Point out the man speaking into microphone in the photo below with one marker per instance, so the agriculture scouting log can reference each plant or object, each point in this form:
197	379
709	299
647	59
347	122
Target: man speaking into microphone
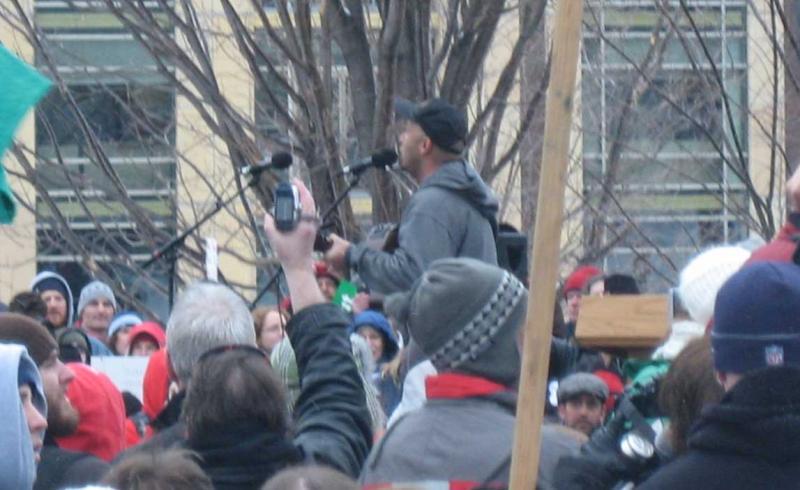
452	213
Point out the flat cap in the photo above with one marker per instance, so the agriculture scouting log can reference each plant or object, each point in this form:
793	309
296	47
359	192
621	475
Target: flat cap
579	384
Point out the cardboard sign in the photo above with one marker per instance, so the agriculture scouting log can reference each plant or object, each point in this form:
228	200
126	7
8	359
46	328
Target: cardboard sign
212	259
127	373
638	321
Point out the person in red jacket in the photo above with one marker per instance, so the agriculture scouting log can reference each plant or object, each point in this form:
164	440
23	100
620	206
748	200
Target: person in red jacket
101	431
146	338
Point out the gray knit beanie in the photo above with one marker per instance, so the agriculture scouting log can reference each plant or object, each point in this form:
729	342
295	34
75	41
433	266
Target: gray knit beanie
94	290
464	314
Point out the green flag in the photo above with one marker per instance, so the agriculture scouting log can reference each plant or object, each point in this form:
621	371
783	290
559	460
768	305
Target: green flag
20	88
344	295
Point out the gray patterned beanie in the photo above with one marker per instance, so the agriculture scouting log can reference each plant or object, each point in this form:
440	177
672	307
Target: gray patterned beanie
464	314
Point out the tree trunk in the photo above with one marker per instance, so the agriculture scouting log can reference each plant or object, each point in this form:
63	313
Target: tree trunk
534	67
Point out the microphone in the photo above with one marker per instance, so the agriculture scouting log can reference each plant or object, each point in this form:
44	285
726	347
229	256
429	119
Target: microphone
381	158
279	161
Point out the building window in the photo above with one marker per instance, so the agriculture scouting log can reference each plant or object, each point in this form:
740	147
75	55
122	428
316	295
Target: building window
129	108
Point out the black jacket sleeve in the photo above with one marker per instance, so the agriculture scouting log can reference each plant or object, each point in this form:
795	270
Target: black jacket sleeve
563	357
60	468
332	421
567	358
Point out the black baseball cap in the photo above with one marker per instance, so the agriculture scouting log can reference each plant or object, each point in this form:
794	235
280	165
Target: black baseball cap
445	125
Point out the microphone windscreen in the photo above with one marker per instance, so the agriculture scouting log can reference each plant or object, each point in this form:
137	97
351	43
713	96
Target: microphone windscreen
281	160
385	157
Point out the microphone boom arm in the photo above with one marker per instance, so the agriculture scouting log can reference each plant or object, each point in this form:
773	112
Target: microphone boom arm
170	248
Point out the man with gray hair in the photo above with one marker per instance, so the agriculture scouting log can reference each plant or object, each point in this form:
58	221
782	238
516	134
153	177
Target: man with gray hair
206	315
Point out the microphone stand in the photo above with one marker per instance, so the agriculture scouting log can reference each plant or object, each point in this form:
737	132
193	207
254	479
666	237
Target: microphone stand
170	249
351	184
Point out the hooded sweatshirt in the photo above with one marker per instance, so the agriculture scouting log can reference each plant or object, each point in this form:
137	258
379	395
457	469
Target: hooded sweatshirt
452	214
388	388
151	330
17	465
377	321
70	301
101	431
751	439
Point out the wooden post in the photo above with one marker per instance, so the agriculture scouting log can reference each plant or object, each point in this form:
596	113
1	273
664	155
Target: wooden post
546	244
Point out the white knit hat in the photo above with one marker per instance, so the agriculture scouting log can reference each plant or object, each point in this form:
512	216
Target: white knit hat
705	274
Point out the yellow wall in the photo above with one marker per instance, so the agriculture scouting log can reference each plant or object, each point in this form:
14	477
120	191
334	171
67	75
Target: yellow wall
761	89
18	240
204	156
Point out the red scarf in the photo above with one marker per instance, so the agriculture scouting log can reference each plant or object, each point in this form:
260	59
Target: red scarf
453	385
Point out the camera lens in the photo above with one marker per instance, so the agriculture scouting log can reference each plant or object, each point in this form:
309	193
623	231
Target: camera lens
635	446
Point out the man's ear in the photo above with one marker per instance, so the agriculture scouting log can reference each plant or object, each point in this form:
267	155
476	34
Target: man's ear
426	146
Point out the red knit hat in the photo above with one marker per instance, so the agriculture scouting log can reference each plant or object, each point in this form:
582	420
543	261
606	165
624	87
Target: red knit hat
615	387
579	277
101	431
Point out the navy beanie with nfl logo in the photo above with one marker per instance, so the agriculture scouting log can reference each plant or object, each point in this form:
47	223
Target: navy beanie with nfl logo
757	318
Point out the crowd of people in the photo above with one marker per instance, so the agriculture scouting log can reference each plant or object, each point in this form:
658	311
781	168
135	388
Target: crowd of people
414	383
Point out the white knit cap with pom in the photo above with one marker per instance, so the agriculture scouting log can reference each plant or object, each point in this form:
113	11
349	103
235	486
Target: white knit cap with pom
705	274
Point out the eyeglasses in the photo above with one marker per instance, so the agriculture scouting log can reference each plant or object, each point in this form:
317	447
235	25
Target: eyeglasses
221	349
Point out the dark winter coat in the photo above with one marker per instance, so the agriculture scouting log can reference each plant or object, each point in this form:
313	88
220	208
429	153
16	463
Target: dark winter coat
750	440
244	457
332	424
60	468
170	431
452	214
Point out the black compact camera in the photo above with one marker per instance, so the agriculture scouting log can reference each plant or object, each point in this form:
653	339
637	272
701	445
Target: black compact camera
287	209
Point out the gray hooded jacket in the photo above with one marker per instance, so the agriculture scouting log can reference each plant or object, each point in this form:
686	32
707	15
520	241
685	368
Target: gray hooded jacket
452	214
17	465
70	301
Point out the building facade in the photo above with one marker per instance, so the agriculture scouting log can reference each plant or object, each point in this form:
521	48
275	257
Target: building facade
678	133
681	129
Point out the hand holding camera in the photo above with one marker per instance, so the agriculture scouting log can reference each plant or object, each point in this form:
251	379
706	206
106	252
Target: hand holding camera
293	228
287	208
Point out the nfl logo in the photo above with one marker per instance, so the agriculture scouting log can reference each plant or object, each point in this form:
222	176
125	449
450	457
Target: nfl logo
774	355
